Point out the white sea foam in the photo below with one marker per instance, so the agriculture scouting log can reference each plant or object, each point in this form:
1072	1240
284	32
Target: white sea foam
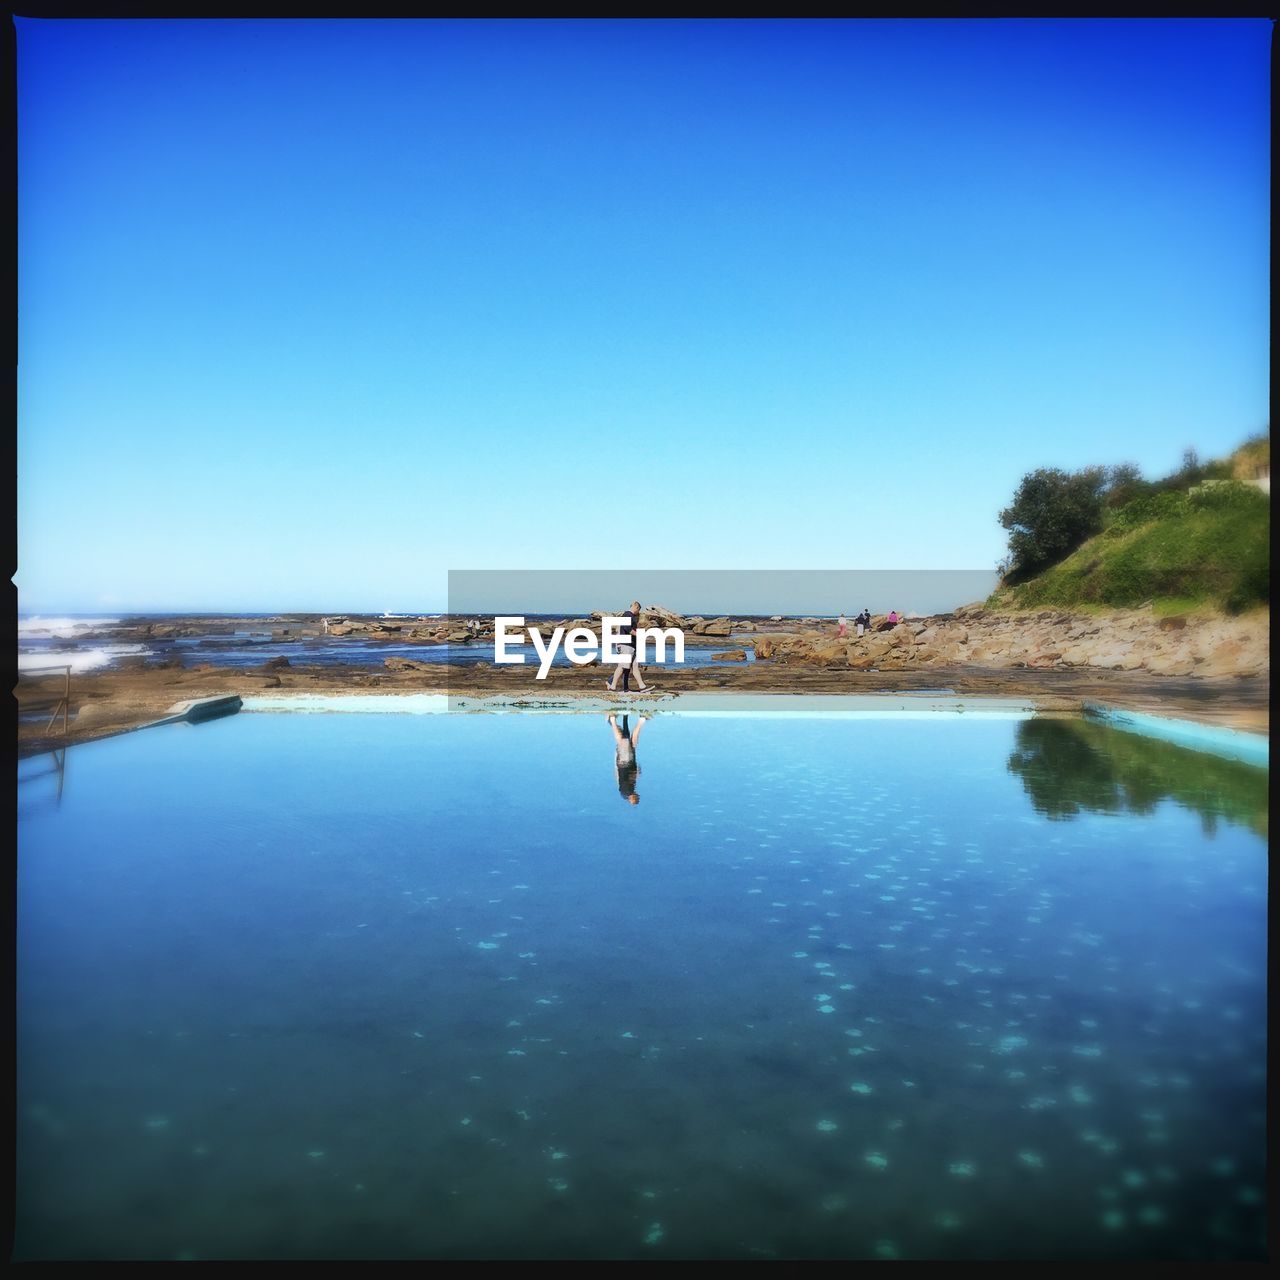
79	659
60	628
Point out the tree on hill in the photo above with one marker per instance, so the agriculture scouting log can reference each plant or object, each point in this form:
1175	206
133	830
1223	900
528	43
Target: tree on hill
1124	483
1052	513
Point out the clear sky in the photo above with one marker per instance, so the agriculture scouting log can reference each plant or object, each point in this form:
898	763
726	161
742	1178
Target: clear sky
312	312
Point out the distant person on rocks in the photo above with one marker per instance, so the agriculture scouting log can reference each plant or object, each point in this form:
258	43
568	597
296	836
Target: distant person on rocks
843	629
624	757
863	620
630	664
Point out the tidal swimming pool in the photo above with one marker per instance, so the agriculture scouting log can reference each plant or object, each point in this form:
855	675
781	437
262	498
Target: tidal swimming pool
390	986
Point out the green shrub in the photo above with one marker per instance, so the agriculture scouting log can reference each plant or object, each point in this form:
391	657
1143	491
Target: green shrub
1228	495
1155	506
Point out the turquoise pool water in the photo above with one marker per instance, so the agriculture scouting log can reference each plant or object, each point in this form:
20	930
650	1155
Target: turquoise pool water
397	986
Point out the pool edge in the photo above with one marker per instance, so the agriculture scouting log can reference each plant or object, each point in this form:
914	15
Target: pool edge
1232	744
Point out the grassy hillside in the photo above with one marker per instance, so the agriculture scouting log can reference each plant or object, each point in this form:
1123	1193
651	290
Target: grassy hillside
1207	545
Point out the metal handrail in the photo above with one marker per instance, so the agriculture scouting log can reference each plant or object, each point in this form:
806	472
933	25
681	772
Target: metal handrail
61	704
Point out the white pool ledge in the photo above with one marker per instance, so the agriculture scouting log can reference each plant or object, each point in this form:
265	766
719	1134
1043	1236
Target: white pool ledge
897	706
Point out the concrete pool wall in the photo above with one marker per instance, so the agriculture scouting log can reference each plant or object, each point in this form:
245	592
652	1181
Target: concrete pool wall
1234	744
791	706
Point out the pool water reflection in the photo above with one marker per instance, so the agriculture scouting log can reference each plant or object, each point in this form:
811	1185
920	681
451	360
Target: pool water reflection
400	986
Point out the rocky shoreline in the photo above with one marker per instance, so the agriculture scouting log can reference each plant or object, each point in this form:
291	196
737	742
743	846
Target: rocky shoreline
1202	645
1188	644
1205	667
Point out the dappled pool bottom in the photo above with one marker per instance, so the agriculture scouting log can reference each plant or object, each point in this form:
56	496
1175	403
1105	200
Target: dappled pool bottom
348	986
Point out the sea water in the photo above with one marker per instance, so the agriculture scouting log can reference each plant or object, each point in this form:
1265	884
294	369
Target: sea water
397	986
53	642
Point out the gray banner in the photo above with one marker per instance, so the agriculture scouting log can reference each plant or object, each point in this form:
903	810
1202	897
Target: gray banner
745	593
543	633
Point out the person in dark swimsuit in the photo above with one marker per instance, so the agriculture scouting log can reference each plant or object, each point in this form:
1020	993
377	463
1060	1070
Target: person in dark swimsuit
624	757
631	654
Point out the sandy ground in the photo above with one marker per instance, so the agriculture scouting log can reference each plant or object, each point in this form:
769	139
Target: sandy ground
103	703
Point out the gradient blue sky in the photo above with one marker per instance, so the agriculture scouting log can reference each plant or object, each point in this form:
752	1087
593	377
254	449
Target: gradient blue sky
313	312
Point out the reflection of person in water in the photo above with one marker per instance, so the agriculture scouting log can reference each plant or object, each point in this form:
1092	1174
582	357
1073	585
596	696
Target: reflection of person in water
624	757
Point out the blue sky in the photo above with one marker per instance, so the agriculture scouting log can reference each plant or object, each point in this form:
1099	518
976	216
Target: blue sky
313	312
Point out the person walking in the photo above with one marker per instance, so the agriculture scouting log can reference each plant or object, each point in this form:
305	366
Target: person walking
843	630
630	664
